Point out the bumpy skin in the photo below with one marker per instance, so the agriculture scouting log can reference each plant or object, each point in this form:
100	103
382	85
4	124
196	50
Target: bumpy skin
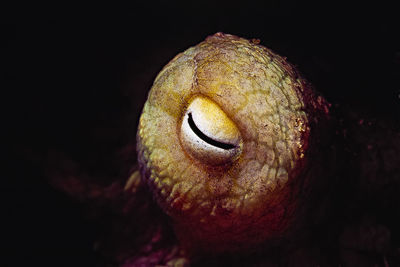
258	197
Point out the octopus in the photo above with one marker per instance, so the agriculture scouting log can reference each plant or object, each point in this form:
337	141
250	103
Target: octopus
241	162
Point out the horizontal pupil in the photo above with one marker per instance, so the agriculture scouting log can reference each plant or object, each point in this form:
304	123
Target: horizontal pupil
205	138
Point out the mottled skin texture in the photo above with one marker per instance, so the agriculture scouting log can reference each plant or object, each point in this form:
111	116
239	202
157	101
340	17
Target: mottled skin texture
276	204
256	197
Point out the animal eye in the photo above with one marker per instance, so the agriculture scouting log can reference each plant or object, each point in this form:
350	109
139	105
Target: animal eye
206	138
208	134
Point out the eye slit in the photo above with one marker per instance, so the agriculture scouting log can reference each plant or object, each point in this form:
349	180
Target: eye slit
205	138
208	134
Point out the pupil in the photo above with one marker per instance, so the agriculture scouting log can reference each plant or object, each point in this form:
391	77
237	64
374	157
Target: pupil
205	138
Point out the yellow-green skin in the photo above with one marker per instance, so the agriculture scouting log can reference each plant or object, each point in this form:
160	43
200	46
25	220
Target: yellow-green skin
256	197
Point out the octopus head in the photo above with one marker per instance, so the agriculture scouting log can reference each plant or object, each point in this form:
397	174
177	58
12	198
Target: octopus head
224	140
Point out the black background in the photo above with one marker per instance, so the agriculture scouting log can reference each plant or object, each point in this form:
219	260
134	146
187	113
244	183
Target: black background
72	72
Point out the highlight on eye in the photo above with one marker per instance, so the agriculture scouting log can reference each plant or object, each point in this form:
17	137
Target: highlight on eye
208	134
